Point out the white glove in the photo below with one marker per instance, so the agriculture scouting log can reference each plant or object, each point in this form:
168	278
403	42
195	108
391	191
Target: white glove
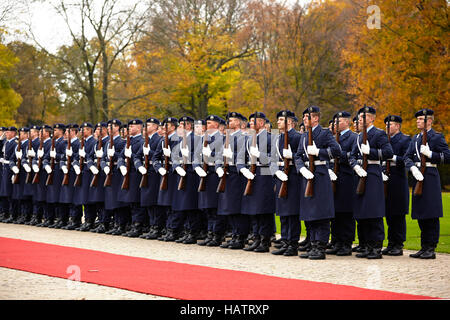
15	169
313	149
220	172
19	154
76	169
180	171
416	173
40	153
99	153
228	153
254	152
26	167
306	173
127	152
281	175
393	159
162	171
146	150
425	150
287	153
111	152
206	151
384	176
166	151
200	172
365	148
48	169
94	170
35	168
52	153
106	170
142	170
184	152
123	170
82	153
333	176
360	171
31	153
247	173
69	152
64	169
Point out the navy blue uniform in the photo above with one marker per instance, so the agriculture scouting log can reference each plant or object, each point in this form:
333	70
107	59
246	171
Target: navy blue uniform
6	184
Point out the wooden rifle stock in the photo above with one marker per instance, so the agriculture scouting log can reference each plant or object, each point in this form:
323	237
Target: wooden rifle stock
423	161
29	177
361	188
309	190
49	181
388	163
36	178
126	178
165	178
202	184
336	160
79	178
283	192
108	179
144	179
249	186
65	181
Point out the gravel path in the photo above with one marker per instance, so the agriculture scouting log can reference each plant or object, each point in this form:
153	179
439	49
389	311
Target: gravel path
397	274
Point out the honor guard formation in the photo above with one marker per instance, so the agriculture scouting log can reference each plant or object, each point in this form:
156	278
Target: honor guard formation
217	182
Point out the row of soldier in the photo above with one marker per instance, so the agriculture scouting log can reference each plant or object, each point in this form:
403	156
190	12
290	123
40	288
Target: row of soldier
172	182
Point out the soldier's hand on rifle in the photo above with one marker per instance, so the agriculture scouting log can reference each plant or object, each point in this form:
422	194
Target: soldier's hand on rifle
142	170
287	153
254	152
360	171
52	153
393	159
76	169
416	173
220	172
184	152
15	169
162	171
94	170
111	152
64	169
48	169
166	151
26	167
425	150
180	171
333	176
99	153
128	152
365	148
146	150
82	153
106	170
35	168
40	153
313	149
123	170
384	176
306	173
69	152
247	173
201	173
228	153
206	151
31	153
281	175
19	154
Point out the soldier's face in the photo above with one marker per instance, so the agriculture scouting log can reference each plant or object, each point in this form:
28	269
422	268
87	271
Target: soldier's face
10	134
234	123
23	135
420	122
212	125
280	123
134	129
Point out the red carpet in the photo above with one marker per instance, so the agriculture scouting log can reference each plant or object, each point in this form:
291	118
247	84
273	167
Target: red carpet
171	279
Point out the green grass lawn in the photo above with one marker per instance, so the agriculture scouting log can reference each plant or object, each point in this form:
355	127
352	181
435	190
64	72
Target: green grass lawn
412	229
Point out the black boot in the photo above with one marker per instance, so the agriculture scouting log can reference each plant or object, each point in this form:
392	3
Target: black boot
155	233
292	249
304	245
363	251
255	244
110	230
136	230
171	235
264	245
345	250
396	250
216	241
208	238
335	248
227	243
191	238
121	229
183	236
239	243
282	249
375	250
428	252
88	225
389	247
317	251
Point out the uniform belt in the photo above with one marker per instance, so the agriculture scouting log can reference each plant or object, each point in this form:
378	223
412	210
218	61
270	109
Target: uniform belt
392	164
373	162
427	164
259	164
281	163
5	161
317	163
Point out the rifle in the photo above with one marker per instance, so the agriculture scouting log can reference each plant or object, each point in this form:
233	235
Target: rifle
79	178
283	192
164	178
223	180
249	187
65	181
144	179
126	178
108	179
388	163
94	181
16	178
336	160
182	182
49	181
202	185
361	188
30	159
423	161
309	190
36	178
